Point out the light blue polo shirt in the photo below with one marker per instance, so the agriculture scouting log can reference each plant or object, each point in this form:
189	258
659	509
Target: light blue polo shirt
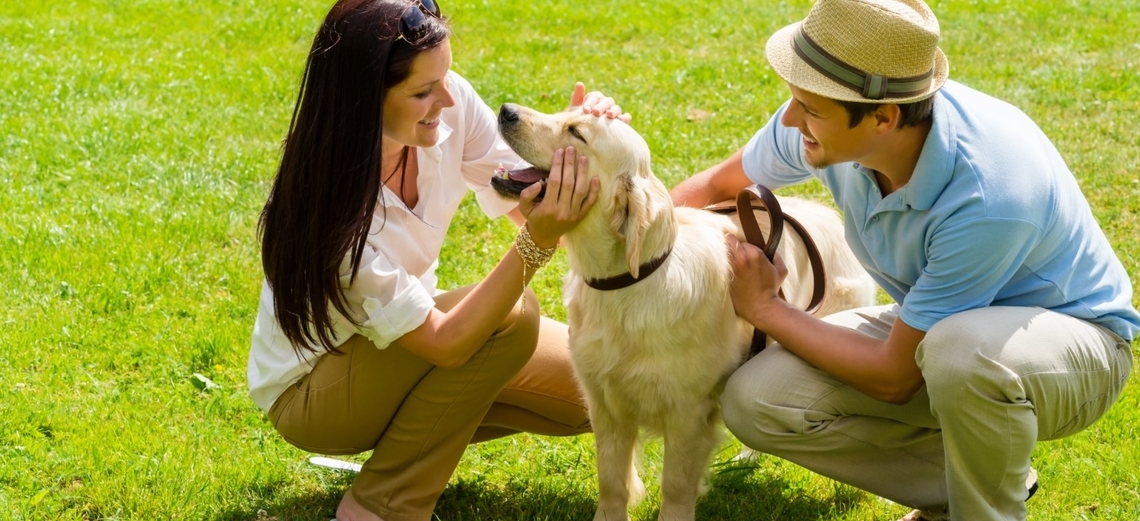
991	217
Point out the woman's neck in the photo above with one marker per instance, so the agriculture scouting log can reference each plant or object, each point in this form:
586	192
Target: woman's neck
390	158
399	172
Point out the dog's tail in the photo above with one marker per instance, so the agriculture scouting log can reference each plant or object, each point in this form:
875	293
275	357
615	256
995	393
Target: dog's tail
636	486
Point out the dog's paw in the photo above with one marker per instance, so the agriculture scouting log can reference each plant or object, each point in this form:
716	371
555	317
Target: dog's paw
607	515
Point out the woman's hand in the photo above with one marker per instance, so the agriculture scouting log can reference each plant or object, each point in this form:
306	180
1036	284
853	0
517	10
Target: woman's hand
570	193
596	103
755	282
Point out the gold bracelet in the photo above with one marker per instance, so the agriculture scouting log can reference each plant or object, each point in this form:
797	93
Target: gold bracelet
533	256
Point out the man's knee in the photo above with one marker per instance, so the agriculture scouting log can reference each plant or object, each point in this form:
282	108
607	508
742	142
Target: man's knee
960	349
941	356
756	404
741	408
735	401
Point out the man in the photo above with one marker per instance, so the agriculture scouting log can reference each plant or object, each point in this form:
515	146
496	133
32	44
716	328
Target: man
1013	319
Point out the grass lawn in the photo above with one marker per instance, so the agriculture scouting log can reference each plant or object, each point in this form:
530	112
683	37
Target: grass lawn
137	141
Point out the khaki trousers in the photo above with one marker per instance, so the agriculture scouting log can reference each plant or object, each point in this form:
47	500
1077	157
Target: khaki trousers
417	418
998	380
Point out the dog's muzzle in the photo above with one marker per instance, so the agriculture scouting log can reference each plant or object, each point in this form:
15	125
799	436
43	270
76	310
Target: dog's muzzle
508	115
510	183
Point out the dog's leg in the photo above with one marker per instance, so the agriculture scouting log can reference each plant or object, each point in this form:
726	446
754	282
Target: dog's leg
689	443
616	439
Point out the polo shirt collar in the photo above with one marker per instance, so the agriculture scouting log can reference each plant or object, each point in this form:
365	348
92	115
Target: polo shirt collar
935	165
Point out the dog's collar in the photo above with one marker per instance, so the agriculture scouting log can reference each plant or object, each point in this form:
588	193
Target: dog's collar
626	280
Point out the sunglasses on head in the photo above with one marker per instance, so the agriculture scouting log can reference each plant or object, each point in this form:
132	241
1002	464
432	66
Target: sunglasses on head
412	22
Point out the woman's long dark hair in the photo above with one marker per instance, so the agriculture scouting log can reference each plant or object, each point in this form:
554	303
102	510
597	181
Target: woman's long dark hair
327	186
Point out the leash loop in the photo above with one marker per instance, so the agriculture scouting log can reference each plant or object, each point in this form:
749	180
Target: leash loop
754	235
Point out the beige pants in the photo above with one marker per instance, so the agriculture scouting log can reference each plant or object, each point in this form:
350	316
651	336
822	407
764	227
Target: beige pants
998	380
417	419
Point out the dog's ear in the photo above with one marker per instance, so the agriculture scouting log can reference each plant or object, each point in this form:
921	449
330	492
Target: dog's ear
631	217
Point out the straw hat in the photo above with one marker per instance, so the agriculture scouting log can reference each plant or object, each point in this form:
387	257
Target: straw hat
876	51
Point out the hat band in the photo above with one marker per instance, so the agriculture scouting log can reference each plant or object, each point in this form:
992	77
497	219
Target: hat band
872	86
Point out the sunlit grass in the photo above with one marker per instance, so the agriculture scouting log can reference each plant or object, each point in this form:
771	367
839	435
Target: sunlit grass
136	143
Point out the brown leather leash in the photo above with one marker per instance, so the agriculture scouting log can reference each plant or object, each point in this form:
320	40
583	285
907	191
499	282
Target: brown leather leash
752	233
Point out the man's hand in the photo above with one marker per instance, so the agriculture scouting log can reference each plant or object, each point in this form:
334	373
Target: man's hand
756	282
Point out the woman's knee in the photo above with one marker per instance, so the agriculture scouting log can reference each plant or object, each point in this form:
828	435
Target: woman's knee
523	317
517	336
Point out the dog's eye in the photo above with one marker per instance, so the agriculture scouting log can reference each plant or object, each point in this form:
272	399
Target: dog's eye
573	130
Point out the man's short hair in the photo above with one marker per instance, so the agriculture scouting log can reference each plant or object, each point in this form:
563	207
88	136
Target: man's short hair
911	114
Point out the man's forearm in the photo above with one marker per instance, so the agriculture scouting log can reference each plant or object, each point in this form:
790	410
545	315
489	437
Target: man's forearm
882	369
718	183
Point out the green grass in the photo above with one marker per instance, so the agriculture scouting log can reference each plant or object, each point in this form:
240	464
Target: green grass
137	140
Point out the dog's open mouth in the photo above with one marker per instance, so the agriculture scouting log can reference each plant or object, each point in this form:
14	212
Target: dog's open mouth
510	183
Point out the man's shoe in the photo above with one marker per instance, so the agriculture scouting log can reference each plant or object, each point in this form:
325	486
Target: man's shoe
927	515
943	514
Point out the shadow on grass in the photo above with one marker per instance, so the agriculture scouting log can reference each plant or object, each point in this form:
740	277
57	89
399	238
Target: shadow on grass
548	499
465	500
278	501
740	492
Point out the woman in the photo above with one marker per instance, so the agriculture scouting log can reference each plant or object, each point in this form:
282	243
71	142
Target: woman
354	349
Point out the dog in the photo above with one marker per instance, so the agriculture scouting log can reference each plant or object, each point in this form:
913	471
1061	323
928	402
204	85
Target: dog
653	356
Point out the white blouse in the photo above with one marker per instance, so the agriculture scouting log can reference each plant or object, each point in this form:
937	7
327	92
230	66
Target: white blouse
394	286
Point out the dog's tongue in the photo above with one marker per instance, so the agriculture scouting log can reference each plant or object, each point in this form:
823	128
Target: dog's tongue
528	175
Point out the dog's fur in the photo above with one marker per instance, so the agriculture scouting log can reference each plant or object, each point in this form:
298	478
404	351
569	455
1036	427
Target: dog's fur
654	356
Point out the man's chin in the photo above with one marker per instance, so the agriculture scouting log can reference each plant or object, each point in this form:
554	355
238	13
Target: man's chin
818	162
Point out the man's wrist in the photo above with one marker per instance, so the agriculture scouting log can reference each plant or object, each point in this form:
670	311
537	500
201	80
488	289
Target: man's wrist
763	314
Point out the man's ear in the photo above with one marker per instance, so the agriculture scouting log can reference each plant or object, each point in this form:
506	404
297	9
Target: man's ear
887	117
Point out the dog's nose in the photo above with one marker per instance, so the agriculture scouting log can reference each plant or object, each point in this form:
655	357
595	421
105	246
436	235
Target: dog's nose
508	114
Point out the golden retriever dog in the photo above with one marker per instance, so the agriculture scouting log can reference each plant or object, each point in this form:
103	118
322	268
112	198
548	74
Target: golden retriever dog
653	357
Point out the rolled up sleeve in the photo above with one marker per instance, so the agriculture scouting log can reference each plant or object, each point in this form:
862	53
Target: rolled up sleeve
386	300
